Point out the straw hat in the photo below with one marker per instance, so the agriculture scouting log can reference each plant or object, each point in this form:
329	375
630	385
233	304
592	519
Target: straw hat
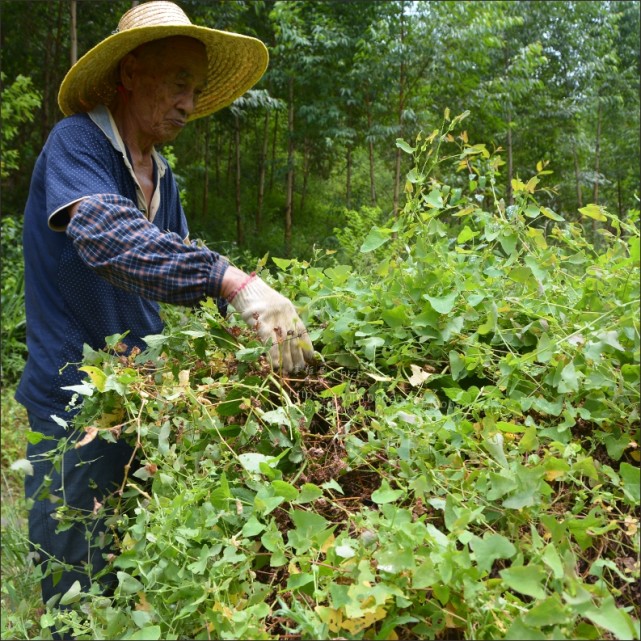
236	62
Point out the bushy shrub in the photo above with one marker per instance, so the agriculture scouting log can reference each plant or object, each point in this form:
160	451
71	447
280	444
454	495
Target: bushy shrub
356	225
12	299
19	103
462	461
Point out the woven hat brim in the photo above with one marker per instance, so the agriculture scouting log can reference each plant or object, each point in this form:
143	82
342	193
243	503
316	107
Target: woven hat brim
236	63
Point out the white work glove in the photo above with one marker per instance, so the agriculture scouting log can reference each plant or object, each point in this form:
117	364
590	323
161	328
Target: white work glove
273	316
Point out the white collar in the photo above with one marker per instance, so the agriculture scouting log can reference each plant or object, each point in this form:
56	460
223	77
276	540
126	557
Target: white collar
103	119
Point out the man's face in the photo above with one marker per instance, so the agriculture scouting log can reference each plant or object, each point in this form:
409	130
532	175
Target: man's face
165	77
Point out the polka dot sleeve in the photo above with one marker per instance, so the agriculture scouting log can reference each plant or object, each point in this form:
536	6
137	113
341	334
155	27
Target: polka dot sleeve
79	163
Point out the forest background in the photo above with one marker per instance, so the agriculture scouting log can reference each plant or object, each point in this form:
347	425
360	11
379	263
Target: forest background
313	144
449	192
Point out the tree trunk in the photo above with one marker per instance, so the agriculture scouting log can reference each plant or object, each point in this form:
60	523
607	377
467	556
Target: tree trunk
205	207
306	172
509	195
401	109
74	33
597	152
577	178
290	171
372	183
230	161
217	156
52	48
273	160
44	129
348	179
240	235
262	168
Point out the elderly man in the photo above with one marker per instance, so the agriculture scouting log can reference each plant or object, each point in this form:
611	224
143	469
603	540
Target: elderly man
105	237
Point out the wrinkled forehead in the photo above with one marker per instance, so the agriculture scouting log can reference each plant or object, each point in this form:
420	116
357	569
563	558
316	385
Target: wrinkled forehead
174	47
177	55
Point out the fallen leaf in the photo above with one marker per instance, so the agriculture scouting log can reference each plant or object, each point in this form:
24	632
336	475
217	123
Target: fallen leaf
418	377
90	435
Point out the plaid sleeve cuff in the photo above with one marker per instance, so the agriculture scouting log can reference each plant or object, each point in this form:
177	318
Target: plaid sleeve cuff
218	270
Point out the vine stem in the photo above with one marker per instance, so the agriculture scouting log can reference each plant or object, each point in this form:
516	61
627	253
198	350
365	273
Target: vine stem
137	446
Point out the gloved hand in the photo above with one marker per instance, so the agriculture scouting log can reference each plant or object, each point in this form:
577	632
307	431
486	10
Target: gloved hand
273	316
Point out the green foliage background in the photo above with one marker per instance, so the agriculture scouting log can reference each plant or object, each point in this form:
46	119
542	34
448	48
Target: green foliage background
463	459
552	82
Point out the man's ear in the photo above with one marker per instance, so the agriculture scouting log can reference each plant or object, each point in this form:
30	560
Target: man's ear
128	66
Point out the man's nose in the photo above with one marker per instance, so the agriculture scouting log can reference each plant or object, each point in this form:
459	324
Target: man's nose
187	103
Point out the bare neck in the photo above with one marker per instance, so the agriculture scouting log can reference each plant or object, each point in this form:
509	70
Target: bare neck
139	144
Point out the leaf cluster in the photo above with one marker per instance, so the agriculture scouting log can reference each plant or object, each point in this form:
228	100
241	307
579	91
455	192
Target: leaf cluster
20	100
463	459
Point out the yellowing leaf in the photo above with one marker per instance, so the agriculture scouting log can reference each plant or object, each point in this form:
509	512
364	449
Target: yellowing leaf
632	526
552	475
329	541
531	184
143	604
331	617
593	211
537	236
110	419
292	568
223	609
518	185
97	376
282	263
452	620
475	150
465	211
362	623
183	378
433	135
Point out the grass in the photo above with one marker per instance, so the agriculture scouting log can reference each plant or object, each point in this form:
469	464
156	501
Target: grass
21	603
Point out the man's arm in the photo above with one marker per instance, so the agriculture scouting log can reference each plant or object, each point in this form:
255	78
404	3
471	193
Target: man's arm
113	237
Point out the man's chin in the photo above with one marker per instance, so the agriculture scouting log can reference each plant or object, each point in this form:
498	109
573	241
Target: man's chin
167	135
